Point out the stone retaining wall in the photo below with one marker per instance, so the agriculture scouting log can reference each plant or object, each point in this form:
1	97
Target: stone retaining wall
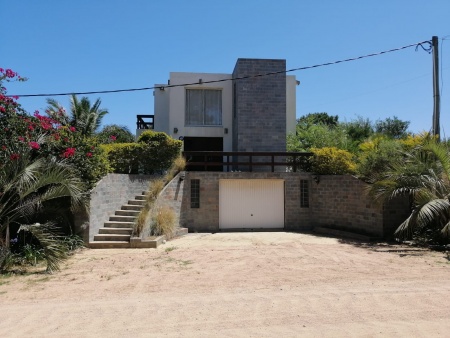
113	191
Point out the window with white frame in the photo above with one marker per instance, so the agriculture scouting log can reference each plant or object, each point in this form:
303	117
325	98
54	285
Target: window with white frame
203	107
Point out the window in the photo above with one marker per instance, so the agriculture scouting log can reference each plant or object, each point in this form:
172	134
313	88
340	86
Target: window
195	193
304	194
203	107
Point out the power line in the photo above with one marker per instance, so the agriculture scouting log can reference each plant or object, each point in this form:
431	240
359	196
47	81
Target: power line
417	45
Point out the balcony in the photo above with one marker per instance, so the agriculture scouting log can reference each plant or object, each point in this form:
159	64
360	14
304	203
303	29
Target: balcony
245	161
145	121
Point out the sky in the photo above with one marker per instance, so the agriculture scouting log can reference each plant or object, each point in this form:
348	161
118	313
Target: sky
64	46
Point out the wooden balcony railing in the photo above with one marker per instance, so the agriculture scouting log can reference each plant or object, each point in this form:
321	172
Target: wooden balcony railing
145	124
243	161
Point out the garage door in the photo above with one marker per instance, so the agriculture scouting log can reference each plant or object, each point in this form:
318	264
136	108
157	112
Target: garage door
251	204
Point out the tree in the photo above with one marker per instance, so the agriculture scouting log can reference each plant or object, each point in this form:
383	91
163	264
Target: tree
318	136
394	127
84	117
359	129
115	133
423	174
317	118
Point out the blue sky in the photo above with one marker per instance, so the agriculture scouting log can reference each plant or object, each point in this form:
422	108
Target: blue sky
93	45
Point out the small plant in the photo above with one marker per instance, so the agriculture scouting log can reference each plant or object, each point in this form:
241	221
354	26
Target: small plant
73	242
164	222
32	254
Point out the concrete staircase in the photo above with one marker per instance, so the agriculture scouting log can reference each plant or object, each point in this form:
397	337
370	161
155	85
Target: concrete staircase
116	232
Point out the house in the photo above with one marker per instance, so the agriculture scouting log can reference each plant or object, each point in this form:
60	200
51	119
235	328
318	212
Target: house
241	111
249	113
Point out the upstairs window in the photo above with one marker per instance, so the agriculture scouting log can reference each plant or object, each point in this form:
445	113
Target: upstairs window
203	107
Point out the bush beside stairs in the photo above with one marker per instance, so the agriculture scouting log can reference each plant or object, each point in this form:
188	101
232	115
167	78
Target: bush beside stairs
116	232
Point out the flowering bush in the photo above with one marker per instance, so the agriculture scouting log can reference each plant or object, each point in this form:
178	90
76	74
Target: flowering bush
48	136
332	161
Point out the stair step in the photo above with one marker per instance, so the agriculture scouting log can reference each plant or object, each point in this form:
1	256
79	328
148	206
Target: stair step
120	218
134	213
140	197
109	245
136	202
132	207
118	224
110	237
115	231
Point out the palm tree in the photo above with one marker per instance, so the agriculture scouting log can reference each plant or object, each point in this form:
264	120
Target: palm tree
27	184
423	174
84	117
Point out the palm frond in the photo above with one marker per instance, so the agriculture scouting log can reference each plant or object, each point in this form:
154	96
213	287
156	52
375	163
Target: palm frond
435	211
55	251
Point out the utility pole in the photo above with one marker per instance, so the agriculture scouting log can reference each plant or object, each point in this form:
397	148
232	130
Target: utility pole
436	96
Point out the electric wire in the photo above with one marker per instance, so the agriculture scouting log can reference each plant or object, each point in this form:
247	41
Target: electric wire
417	45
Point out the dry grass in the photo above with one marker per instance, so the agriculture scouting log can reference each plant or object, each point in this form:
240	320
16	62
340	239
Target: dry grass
178	165
164	222
154	190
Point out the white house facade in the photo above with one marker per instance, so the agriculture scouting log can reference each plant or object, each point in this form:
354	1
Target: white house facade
217	112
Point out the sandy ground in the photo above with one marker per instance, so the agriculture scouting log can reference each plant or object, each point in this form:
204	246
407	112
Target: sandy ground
235	285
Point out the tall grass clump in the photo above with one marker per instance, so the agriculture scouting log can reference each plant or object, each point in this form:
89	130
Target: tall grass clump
164	222
155	188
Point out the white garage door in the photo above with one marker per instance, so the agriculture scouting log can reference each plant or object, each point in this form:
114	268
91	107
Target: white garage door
251	204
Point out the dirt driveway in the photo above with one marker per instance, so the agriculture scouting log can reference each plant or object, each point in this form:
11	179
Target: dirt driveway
235	285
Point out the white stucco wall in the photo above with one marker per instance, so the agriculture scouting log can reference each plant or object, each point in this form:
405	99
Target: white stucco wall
161	108
173	100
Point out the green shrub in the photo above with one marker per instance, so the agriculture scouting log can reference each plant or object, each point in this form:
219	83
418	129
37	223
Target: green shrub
155	152
375	157
124	158
151	136
332	161
162	150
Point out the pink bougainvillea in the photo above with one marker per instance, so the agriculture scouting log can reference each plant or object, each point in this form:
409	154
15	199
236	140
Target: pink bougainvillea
113	138
34	145
89	154
14	157
69	152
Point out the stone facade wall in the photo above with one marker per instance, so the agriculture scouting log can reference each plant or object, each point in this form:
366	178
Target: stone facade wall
206	218
337	202
259	106
113	191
